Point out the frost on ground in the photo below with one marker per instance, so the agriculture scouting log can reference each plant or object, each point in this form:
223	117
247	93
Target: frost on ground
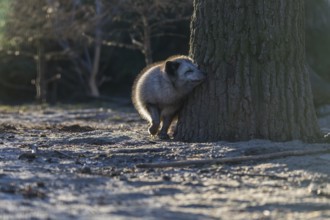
83	167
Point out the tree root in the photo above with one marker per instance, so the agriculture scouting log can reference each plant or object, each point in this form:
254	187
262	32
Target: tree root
235	160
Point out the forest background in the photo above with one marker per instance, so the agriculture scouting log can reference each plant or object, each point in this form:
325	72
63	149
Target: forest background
68	51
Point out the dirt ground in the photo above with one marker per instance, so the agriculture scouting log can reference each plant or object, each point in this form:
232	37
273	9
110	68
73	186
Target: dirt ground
79	162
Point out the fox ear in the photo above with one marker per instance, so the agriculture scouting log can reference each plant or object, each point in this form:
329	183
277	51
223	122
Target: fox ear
171	67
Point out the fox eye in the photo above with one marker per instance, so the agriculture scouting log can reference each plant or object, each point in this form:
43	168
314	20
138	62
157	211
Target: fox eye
189	71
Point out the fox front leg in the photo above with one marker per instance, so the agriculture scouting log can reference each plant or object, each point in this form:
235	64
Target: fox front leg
166	123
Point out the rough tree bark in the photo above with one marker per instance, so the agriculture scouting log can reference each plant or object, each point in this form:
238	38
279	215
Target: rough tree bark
257	86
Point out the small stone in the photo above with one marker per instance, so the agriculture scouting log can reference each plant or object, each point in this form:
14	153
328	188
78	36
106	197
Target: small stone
41	184
166	178
123	178
27	156
86	170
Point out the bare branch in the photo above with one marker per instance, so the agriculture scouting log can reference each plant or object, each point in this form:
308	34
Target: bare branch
19	53
168	21
6	84
168	34
122	45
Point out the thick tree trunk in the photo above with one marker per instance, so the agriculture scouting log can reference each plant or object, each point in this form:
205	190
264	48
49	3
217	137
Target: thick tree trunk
258	86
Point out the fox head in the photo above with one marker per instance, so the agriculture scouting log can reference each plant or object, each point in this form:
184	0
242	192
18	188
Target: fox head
184	73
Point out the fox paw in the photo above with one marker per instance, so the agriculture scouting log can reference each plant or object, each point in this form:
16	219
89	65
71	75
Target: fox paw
163	136
153	129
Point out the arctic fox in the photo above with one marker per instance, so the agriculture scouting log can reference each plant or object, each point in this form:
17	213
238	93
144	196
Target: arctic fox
160	88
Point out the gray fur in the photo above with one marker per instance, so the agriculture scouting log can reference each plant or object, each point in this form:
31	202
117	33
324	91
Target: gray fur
159	91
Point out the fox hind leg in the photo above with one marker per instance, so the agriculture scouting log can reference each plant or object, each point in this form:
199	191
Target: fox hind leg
155	119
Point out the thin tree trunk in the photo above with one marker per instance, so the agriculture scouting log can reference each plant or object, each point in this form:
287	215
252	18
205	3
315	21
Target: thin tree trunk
258	86
93	84
40	83
146	41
